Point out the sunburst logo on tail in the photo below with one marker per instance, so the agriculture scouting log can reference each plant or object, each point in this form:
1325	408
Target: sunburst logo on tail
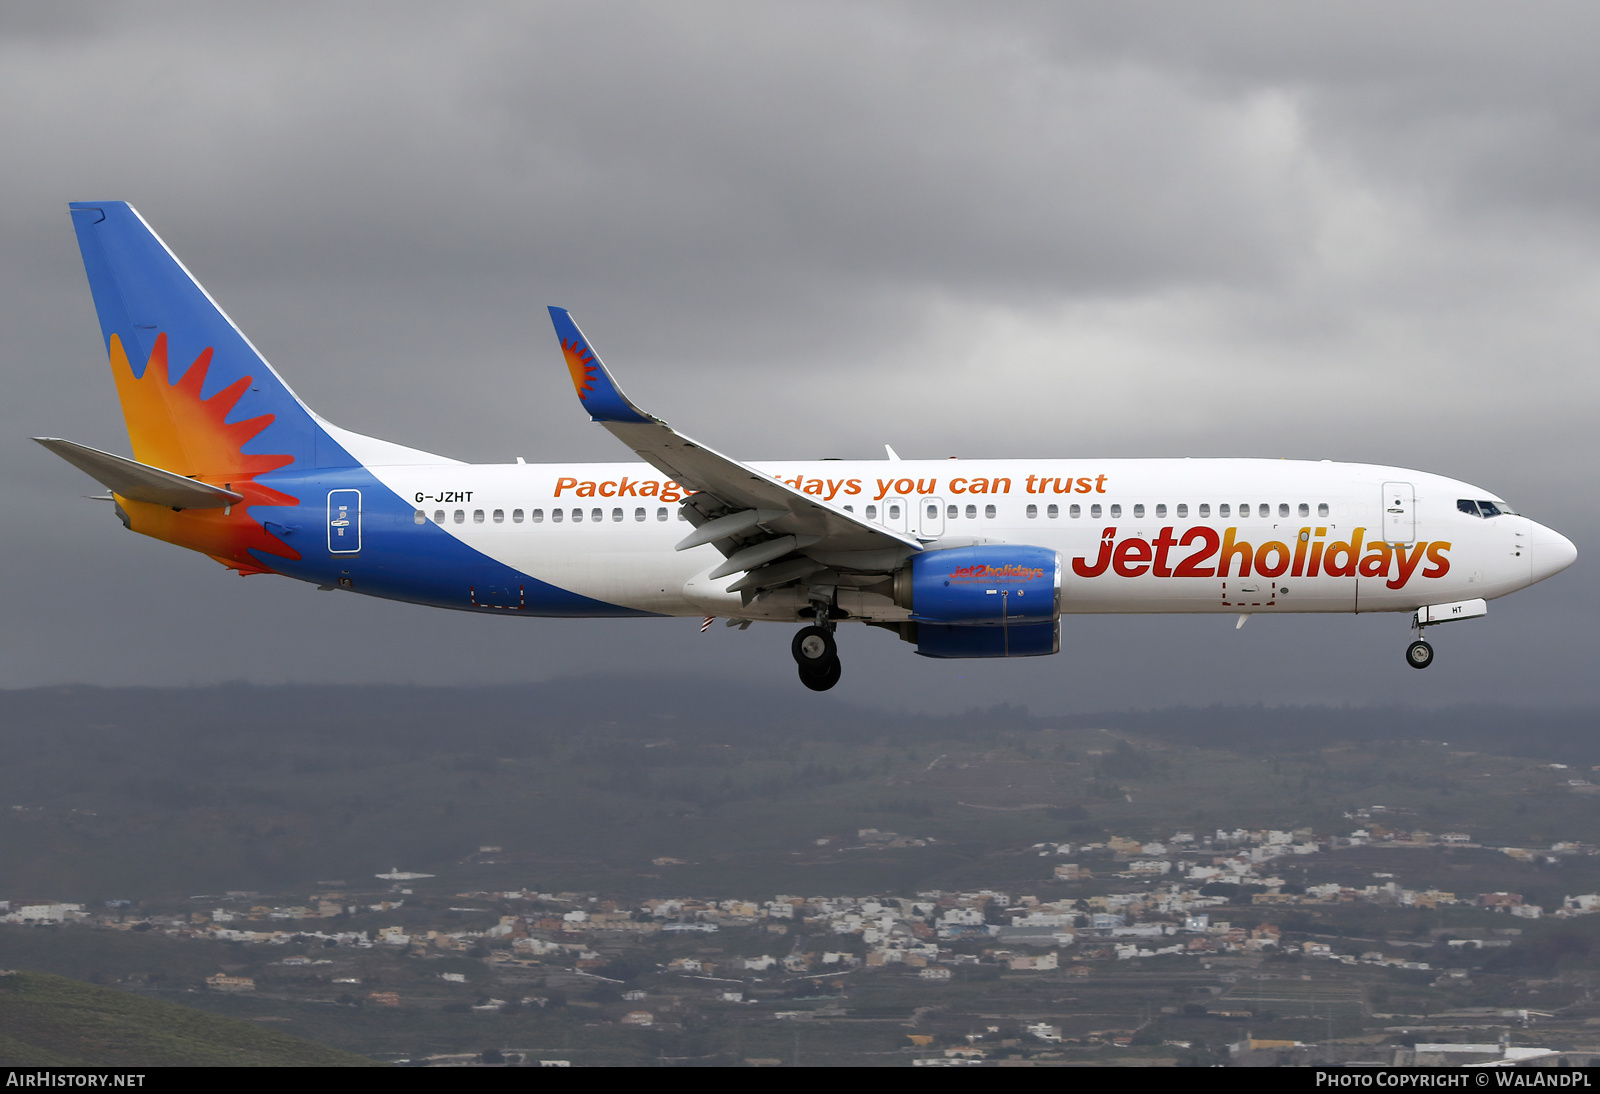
173	427
582	365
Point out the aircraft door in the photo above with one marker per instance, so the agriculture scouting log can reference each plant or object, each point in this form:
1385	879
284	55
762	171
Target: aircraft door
930	517
1399	510
344	522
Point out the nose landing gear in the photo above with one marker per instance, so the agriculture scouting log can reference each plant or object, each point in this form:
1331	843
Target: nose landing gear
1419	655
817	655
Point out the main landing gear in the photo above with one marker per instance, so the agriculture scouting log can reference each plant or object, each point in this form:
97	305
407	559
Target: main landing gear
817	655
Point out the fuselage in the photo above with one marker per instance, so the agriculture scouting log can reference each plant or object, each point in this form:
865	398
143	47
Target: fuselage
1144	535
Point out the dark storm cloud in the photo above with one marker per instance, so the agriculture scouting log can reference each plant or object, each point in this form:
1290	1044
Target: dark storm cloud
1361	232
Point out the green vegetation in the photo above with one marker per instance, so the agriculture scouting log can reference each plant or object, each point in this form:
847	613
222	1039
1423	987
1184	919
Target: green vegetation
52	1021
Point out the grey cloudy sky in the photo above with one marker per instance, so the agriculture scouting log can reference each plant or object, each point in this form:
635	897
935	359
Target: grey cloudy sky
1361	231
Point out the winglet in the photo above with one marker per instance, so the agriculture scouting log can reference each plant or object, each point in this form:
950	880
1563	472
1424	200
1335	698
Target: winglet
598	392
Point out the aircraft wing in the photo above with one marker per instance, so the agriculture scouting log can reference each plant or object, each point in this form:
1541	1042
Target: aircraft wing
771	531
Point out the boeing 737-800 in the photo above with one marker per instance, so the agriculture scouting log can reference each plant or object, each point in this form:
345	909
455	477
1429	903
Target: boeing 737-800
963	558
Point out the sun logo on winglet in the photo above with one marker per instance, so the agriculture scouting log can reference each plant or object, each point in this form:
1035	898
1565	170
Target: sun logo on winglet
582	365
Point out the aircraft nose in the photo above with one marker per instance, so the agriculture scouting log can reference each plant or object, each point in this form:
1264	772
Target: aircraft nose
1552	552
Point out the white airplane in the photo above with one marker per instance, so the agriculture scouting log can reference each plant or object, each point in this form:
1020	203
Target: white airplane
963	558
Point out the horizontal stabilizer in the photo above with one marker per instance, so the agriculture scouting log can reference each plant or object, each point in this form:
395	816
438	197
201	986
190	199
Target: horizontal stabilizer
140	481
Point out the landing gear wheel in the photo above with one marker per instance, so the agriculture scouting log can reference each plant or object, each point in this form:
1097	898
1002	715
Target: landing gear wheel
821	677
1419	655
813	647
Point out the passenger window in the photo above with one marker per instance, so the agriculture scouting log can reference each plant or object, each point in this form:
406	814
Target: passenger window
1205	509
438	516
616	514
1266	510
1183	510
1094	511
499	516
988	511
419	517
461	516
555	515
1053	511
1074	511
849	508
951	512
577	515
661	514
1033	512
1138	510
894	512
872	512
537	516
1223	510
1322	508
1305	510
1161	511
516	516
682	517
933	512
638	515
597	515
1116	511
477	516
972	512
1283	509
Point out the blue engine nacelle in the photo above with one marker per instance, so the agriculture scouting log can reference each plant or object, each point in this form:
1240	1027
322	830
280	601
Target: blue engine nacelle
987	601
1025	640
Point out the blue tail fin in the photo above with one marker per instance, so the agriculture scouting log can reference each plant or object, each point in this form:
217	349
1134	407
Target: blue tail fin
198	398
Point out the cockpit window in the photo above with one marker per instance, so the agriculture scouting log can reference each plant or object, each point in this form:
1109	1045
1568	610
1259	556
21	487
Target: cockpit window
1490	509
1483	508
1468	506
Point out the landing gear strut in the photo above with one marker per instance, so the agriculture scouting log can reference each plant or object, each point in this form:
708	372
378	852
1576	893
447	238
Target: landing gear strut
817	655
1419	655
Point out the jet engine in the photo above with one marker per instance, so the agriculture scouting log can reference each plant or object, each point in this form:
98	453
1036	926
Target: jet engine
1000	600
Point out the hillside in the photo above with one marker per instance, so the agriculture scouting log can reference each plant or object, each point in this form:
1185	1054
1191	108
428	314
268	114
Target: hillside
50	1021
155	794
